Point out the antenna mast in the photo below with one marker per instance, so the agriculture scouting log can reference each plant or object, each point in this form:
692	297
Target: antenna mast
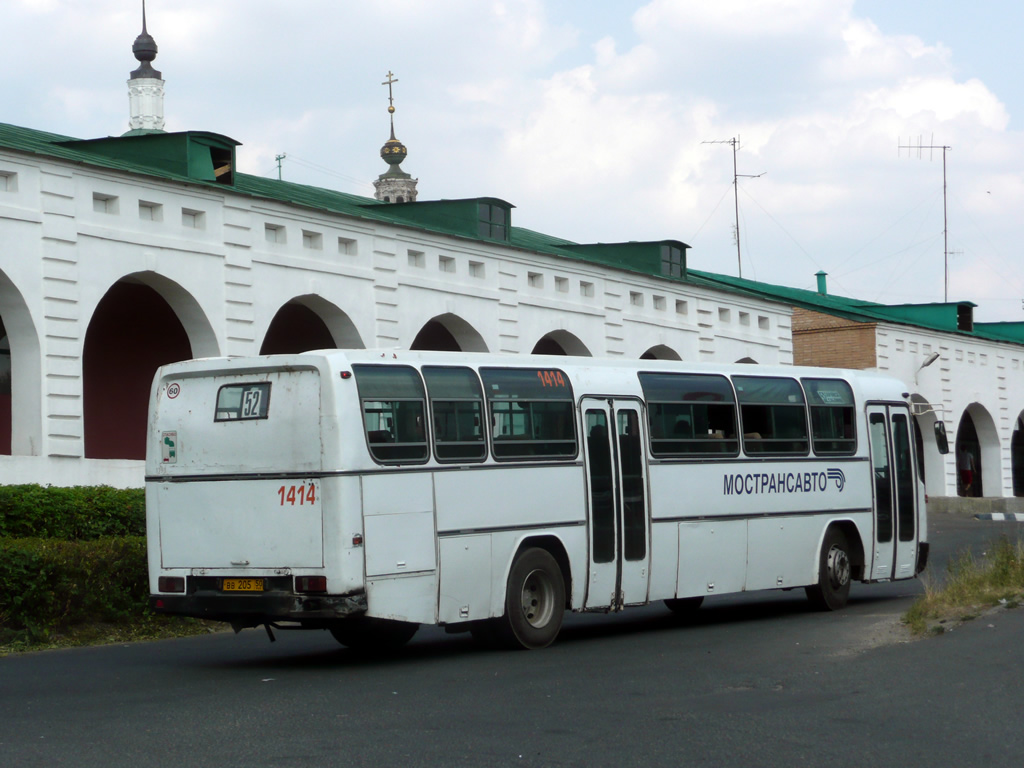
735	142
945	219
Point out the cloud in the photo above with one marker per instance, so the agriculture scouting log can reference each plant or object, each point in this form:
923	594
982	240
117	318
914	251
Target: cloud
741	20
868	54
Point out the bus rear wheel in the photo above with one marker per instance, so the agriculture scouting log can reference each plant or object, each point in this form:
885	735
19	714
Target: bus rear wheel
833	587
534	602
364	633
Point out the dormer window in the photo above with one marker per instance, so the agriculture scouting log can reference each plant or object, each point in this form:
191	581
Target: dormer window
223	160
492	221
964	317
672	263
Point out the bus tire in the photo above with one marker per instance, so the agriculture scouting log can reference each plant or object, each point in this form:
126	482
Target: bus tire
534	602
364	633
833	587
684	606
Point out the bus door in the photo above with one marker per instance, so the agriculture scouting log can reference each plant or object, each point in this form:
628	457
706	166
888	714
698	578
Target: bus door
619	510
895	498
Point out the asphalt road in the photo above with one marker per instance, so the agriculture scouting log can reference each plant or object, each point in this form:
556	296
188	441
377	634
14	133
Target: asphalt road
751	681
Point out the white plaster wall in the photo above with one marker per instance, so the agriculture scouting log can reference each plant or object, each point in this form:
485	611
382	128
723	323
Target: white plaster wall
969	371
21	254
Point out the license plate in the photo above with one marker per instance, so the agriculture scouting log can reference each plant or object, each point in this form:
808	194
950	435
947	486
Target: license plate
242	585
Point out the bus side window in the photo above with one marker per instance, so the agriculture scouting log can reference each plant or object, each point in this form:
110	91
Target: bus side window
690	414
773	415
532	413
379	436
833	416
394	412
457	406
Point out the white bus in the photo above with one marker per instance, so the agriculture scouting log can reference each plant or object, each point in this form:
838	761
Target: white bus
368	492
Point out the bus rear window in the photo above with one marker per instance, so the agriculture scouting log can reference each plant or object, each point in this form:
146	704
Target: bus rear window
457	406
393	412
243	402
531	412
833	416
690	414
773	415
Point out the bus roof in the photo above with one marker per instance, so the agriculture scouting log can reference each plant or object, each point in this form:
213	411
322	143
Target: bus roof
872	383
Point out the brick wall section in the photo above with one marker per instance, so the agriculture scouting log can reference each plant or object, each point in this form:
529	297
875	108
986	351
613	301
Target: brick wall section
832	342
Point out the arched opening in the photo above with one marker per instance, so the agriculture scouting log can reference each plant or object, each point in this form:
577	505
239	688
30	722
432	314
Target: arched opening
449	333
968	459
435	336
747	361
133	331
560	343
294	329
977	453
660	352
309	322
21	429
1017	456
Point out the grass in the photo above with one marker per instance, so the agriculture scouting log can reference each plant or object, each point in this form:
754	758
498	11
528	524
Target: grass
146	627
972	586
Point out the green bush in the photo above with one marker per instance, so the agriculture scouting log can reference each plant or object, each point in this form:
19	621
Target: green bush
49	584
73	514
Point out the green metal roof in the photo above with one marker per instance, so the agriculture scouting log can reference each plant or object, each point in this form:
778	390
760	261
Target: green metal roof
192	157
199	155
1001	331
641	256
455	216
944	317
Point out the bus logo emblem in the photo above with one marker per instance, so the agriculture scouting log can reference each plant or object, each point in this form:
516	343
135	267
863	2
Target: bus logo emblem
838	476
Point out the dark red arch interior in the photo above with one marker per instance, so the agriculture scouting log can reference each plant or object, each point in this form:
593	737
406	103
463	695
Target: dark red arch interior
132	333
296	328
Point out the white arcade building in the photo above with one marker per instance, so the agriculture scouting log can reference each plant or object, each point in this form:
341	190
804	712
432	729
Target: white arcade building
120	254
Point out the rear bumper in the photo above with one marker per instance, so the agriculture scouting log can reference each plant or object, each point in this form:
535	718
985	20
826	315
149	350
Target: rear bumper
266	607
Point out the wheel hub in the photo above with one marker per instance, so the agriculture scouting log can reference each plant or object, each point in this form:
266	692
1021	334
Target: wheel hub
538	599
838	567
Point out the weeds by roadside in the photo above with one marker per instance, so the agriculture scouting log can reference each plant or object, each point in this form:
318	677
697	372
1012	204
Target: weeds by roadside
146	627
971	586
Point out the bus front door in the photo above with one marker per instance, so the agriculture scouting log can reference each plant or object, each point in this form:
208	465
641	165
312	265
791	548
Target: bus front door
895	499
619	510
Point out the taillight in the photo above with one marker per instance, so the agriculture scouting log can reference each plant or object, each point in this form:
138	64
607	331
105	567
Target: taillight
171	584
310	583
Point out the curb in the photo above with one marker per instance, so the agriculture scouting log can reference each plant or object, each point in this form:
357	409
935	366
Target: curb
1016	517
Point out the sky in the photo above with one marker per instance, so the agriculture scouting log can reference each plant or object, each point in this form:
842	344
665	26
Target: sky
598	120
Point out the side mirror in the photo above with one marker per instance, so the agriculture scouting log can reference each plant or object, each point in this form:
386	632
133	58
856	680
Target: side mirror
940	437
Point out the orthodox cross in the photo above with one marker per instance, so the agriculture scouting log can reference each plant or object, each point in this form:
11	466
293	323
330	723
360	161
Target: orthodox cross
391	79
